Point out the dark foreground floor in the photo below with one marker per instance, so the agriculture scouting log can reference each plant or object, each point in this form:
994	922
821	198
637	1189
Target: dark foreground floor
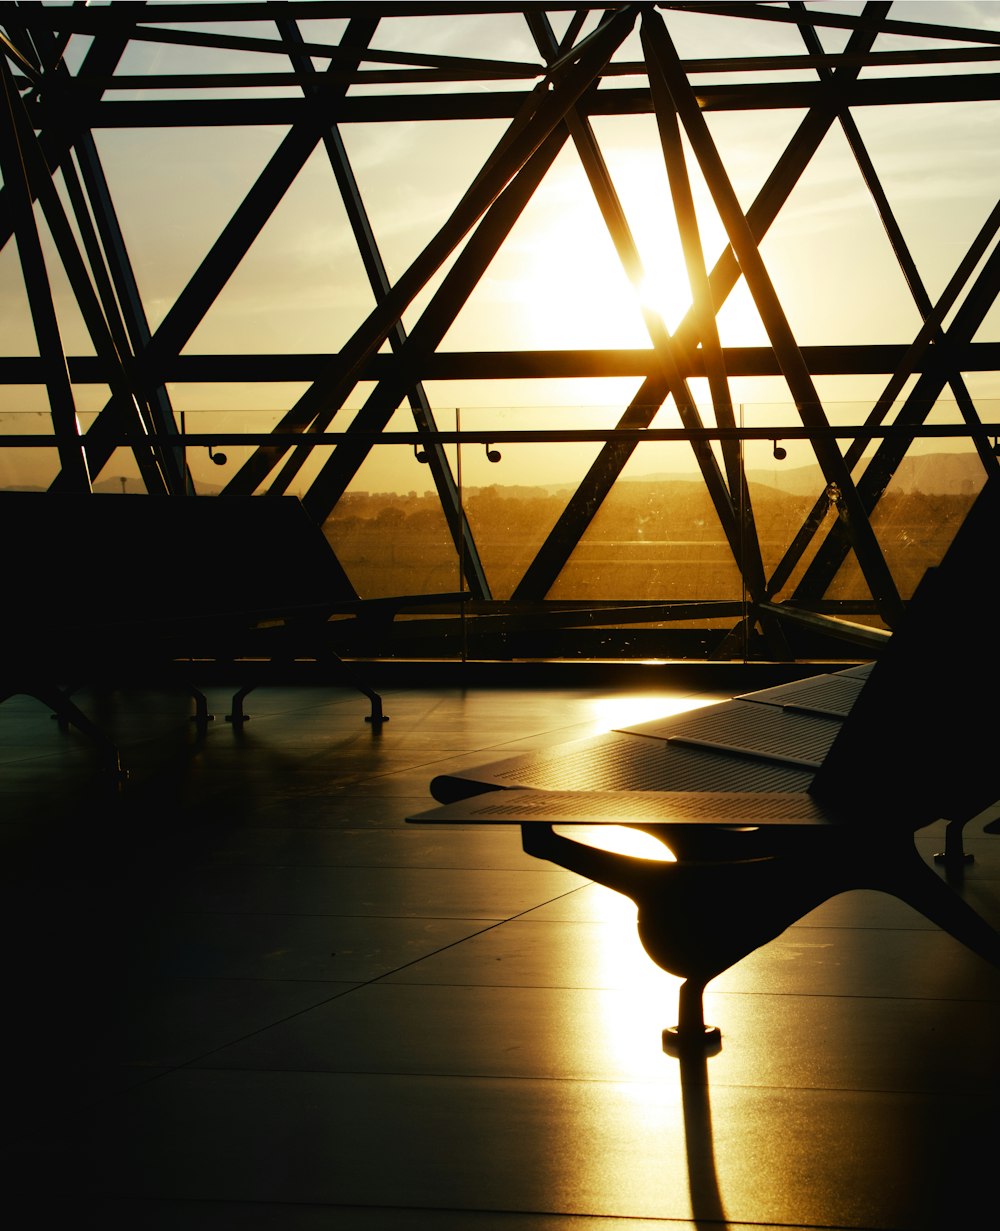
247	995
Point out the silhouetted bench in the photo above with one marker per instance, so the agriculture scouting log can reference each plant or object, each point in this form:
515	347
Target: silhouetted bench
133	588
776	801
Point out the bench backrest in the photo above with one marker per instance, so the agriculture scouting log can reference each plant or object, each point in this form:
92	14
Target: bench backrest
922	740
78	560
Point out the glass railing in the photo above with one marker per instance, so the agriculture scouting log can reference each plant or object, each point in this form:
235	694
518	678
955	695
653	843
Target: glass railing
563	526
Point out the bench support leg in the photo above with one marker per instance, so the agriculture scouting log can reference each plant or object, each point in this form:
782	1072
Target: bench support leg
691	1033
377	718
912	881
68	714
201	715
954	854
237	715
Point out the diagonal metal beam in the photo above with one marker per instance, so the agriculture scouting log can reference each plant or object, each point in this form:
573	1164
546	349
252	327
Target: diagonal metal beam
705	312
337	473
61	126
150	390
664	346
914	411
423	414
910	361
224	256
534	123
664	59
162	470
113	358
13	158
824	566
612	458
861	20
55	88
24	61
899	246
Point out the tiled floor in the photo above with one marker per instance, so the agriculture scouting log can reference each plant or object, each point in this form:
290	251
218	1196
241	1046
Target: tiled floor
245	994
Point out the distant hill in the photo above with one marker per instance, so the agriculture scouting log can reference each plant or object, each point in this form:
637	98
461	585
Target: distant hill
948	474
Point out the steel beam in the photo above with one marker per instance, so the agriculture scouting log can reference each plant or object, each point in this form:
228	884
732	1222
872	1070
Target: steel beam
872	359
910	362
530	130
583	505
748	554
898	244
914	411
664	58
505	104
163	471
226	253
631	260
337	473
378	278
111	355
14	159
59	128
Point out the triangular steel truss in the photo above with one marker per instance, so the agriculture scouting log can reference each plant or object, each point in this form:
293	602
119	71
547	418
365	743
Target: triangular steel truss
543	83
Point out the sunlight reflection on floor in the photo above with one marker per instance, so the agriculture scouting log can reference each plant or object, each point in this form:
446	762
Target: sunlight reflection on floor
618	838
614	712
631	1020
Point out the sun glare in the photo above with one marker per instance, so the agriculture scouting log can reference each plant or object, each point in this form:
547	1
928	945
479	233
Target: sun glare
572	288
667	295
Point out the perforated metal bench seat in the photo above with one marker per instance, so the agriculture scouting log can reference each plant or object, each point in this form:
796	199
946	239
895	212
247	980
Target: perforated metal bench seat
786	809
775	801
739	745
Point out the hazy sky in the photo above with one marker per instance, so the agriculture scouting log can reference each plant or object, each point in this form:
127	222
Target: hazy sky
556	282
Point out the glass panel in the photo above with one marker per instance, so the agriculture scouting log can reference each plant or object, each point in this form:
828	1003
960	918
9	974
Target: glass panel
514	493
925	496
785	485
389	529
657	536
217	410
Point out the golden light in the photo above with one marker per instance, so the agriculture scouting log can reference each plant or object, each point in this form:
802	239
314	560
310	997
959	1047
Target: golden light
667	295
616	712
620	839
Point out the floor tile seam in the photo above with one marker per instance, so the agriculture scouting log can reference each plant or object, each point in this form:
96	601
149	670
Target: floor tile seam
488	752
721	993
918	926
491	920
379	867
711	1084
386	979
515	746
843	995
204	913
574	1079
462	940
373	867
195	1063
564	1218
139	977
322	914
347	991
